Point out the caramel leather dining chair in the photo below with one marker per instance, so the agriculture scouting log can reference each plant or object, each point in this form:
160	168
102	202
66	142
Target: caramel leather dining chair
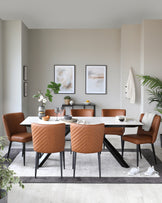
51	112
144	137
16	132
82	112
48	138
86	139
112	113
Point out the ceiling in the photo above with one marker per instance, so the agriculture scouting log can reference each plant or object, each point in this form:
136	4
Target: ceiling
80	13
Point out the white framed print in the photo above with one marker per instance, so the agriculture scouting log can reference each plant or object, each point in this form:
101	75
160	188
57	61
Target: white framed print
96	79
65	74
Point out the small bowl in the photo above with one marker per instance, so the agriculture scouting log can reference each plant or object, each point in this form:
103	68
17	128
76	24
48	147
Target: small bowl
121	118
67	117
45	118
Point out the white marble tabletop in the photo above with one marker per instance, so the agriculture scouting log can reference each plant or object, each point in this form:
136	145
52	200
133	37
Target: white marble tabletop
108	121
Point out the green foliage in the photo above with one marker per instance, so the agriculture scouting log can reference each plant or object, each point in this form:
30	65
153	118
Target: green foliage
151	82
154	89
67	97
7	176
51	87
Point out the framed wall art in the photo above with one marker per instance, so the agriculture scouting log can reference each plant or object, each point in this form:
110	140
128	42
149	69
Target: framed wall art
96	79
65	74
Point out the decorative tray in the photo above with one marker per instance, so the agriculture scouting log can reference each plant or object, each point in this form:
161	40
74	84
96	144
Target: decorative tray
73	120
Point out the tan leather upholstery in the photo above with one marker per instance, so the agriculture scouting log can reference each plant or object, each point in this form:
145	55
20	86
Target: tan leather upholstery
51	112
82	112
48	138
16	132
87	138
113	113
143	137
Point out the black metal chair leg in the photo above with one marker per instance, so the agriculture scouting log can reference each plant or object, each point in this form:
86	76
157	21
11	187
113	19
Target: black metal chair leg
121	141
61	154
73	160
123	147
99	164
36	163
70	149
153	150
140	151
137	155
24	153
9	148
74	163
63	159
103	147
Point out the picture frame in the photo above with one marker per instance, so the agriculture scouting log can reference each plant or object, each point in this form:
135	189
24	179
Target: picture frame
25	73
96	79
25	89
65	74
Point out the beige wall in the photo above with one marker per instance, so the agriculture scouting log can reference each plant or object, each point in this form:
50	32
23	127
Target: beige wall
1	84
12	97
130	58
152	57
24	62
79	47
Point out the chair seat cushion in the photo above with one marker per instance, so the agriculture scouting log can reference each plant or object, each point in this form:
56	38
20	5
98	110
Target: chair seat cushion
137	139
21	137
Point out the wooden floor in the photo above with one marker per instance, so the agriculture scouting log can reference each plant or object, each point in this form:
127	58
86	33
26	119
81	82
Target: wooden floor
89	193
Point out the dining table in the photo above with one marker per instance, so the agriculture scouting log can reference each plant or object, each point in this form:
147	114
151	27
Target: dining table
108	122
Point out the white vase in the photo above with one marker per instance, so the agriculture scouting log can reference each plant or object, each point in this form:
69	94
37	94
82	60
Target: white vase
71	102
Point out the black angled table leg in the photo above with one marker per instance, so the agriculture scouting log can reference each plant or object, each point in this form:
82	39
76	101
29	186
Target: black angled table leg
115	153
42	162
9	148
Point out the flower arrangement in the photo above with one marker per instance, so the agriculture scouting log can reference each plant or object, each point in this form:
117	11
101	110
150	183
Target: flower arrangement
51	87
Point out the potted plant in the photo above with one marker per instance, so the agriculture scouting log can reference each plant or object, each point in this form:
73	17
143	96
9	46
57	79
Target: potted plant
154	85
67	100
155	90
7	176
